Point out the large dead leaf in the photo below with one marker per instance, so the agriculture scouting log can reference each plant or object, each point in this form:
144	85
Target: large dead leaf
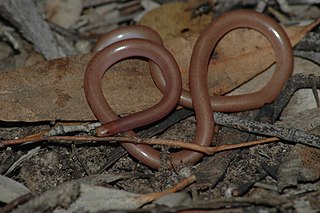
53	90
239	56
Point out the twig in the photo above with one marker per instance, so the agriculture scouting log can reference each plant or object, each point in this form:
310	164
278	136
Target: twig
181	185
289	134
181	144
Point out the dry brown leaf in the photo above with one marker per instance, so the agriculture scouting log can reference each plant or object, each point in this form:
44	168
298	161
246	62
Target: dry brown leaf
236	59
239	60
53	90
239	56
173	19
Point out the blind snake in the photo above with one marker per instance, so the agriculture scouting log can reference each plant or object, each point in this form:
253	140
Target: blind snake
142	41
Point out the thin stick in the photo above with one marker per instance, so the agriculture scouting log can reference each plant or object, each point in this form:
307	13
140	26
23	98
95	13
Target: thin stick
181	144
178	187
